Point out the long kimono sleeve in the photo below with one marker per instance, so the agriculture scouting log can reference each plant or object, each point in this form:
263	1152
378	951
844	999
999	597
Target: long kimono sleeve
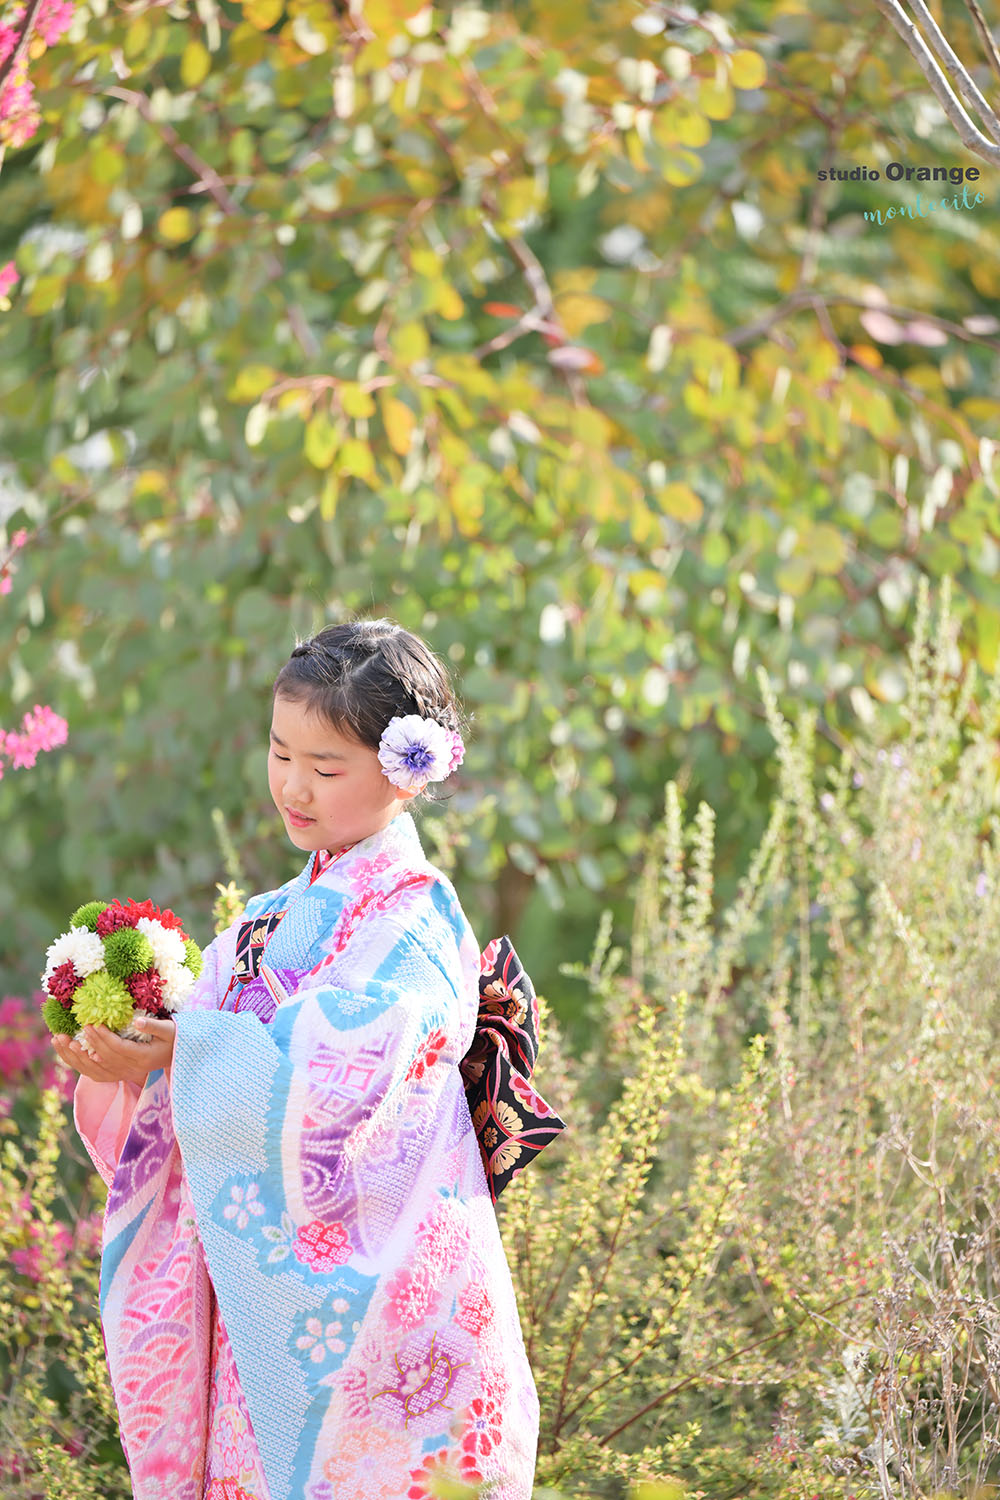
340	1195
103	1112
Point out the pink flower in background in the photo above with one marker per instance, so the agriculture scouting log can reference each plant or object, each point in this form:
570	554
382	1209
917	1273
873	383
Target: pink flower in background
24	1044
28	1258
19	114
54	17
41	729
8	273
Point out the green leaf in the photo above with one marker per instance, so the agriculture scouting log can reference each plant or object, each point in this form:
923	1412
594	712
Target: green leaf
322	440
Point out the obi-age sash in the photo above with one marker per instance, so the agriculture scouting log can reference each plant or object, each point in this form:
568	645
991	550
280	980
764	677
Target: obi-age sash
511	1119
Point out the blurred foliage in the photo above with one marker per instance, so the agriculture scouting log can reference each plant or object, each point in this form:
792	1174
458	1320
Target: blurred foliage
760	1266
529	326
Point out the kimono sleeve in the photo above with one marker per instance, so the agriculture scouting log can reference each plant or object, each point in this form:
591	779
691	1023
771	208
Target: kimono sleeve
103	1112
359	1067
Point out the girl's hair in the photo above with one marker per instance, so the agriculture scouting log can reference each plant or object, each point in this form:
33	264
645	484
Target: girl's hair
362	673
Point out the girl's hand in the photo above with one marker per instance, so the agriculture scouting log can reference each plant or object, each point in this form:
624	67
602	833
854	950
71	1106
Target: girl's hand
106	1057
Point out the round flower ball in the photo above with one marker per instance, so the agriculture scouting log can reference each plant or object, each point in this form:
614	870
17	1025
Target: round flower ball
59	1020
102	1000
127	952
87	915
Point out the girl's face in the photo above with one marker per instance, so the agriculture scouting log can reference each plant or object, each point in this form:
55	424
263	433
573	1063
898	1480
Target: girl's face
337	783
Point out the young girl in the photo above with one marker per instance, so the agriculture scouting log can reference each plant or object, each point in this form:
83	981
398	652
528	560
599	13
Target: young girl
304	1293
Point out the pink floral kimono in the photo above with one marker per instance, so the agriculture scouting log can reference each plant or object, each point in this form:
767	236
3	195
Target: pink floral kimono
304	1292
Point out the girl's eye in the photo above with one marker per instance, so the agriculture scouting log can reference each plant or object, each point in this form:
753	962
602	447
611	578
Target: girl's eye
325	774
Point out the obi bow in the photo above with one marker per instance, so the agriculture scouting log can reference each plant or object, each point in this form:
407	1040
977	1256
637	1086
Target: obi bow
511	1120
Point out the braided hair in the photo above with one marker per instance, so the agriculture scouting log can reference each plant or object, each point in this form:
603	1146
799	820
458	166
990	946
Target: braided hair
360	674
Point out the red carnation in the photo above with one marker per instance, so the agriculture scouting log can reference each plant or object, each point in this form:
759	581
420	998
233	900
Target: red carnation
167	919
63	982
137	909
113	917
147	991
148	909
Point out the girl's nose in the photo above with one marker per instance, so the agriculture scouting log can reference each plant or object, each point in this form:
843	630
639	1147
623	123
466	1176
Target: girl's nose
296	792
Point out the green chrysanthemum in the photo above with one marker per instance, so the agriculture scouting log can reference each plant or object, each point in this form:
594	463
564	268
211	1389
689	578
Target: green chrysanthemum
102	1000
193	959
127	952
87	915
59	1020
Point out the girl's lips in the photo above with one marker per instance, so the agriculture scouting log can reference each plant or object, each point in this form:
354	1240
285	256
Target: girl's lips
296	818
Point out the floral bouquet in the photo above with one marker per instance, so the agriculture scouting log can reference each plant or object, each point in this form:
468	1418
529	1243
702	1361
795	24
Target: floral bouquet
115	959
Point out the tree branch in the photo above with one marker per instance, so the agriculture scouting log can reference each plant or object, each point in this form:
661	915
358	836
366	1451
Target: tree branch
985	36
969	135
967	85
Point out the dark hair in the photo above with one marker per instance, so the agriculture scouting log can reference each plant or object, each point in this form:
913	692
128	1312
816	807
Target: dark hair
362	673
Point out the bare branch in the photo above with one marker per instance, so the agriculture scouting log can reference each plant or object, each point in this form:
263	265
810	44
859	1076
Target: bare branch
967	86
969	135
985	36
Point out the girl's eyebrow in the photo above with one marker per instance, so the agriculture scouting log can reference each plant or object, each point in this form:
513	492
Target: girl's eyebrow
312	754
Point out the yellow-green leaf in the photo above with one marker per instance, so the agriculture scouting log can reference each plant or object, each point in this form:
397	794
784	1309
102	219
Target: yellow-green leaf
328	496
196	63
715	99
680	501
827	548
577	310
263	13
680	167
321	441
137	35
794	576
425	262
356	401
659	1489
48	292
356	459
251	382
410	341
447	301
176	224
747	69
399	423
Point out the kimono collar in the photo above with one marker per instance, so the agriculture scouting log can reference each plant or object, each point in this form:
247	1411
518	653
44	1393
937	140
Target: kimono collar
397	843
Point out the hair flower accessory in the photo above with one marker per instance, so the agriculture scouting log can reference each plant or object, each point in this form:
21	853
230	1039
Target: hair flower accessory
414	750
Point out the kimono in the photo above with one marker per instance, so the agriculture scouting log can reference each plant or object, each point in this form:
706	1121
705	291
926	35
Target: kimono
303	1293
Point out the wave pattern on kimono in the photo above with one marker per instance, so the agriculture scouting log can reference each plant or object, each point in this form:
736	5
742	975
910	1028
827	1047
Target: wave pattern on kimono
304	1292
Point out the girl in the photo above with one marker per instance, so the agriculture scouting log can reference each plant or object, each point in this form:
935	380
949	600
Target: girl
304	1293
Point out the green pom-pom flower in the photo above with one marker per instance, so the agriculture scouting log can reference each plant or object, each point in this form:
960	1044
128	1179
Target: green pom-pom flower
193	959
87	915
59	1020
127	952
102	1000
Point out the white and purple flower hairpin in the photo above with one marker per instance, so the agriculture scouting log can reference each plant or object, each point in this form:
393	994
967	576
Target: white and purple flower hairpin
414	750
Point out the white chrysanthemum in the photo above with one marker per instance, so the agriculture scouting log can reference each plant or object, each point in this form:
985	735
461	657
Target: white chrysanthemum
178	982
80	947
167	944
414	750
